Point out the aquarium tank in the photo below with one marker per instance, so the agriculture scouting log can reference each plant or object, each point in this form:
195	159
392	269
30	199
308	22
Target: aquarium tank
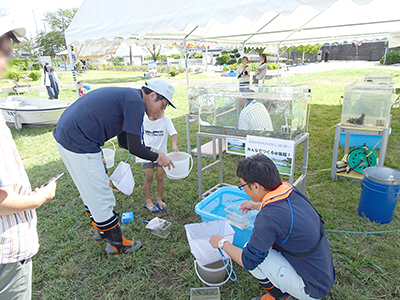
278	110
367	105
379	78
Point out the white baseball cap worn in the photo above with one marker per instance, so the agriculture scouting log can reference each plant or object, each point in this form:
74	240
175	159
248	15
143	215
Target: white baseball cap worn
6	26
162	88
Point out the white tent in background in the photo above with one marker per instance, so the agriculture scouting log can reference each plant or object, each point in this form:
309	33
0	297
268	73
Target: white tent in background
102	24
252	22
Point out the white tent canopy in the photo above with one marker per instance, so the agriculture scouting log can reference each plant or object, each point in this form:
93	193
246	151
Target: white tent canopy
100	25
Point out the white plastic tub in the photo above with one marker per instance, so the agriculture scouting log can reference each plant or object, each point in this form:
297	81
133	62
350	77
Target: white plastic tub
198	235
183	165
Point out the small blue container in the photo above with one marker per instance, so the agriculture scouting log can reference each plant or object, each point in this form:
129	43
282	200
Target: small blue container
379	194
359	139
232	74
127	217
212	208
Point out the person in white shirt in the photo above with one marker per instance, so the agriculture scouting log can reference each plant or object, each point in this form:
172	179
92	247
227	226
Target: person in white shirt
155	135
243	74
50	80
18	203
261	70
254	115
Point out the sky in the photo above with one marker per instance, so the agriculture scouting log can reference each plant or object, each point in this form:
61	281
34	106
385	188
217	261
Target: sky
21	12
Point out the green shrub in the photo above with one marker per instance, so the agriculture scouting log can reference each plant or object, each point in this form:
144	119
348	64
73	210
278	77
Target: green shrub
273	66
36	65
173	73
253	66
233	67
198	56
232	61
392	57
14	75
225	68
222	60
117	61
175	56
162	69
20	63
34	75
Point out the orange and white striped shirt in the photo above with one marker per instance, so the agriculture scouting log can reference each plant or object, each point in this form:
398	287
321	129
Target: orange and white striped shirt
18	235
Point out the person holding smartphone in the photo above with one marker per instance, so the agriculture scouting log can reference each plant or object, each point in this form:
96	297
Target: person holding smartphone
18	234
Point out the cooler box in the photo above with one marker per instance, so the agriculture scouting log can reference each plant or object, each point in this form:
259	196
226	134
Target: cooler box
213	207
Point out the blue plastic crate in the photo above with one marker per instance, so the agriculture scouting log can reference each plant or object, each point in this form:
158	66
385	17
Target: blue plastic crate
359	139
212	208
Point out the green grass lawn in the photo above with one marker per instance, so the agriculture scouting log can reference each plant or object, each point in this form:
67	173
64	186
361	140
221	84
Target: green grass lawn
70	265
102	77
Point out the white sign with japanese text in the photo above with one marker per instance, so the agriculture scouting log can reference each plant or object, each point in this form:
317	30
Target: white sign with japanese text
281	152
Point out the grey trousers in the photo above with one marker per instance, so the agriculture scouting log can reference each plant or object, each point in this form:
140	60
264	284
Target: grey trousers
16	281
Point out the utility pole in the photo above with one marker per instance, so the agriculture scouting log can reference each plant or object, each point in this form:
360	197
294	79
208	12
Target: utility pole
34	17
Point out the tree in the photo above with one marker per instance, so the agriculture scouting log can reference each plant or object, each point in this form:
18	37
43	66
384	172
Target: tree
54	41
60	19
25	46
51	43
154	50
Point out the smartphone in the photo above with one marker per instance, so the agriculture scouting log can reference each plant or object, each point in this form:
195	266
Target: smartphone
55	178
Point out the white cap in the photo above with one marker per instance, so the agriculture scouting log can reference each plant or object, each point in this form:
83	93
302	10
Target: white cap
162	88
7	26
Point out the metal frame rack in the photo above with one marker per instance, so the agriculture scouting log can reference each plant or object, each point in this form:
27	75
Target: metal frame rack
301	138
384	132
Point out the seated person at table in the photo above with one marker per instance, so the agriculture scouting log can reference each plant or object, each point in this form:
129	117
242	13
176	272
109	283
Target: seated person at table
288	251
254	116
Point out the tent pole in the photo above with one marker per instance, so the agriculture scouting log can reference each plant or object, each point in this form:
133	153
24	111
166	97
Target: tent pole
384	57
206	58
186	63
73	70
279	45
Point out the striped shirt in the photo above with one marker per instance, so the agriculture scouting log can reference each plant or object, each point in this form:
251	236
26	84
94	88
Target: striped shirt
18	235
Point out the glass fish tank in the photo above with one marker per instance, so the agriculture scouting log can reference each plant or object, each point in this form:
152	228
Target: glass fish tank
277	110
379	78
367	105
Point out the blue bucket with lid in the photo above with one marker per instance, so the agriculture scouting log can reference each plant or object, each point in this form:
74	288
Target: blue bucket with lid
380	190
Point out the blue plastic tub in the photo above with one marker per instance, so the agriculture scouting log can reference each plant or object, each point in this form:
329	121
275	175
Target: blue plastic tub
380	190
359	139
212	208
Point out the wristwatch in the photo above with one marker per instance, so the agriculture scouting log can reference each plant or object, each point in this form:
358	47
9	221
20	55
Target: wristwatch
221	243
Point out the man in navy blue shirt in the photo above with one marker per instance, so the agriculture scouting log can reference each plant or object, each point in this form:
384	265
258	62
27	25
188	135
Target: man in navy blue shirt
288	251
86	125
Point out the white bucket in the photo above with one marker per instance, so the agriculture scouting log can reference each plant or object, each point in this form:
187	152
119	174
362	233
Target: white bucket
198	235
109	155
181	162
213	274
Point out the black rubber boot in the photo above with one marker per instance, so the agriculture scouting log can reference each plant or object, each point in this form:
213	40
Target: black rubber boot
116	242
272	291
